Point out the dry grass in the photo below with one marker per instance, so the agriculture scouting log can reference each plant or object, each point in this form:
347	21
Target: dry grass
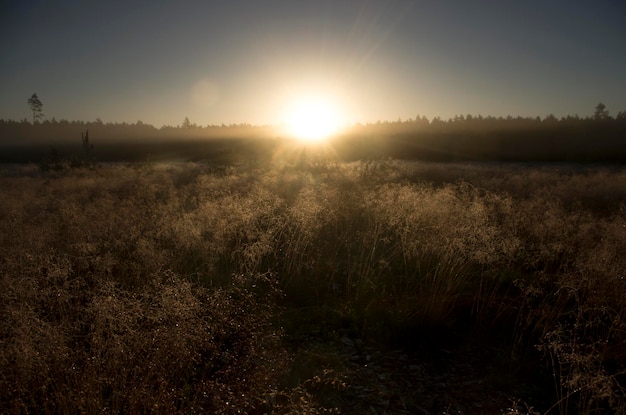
159	288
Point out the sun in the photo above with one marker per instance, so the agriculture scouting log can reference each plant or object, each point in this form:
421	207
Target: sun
312	119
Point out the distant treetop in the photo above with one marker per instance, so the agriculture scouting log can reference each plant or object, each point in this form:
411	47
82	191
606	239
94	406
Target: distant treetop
35	105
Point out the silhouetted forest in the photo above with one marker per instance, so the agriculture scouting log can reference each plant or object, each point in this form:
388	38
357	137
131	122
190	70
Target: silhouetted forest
596	138
600	138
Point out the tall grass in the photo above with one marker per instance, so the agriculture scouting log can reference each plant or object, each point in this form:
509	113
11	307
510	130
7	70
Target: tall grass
163	288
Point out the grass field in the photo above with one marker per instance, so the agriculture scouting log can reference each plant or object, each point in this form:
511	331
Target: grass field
313	287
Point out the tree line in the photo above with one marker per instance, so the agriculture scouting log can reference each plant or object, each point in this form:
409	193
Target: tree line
597	137
469	121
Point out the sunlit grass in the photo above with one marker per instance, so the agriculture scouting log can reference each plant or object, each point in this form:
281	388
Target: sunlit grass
168	284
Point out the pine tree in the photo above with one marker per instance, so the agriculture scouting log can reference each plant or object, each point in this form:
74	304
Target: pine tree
601	113
35	105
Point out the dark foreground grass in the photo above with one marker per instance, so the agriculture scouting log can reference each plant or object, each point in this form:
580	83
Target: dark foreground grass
183	288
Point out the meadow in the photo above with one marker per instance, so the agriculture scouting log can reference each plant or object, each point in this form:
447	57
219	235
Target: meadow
313	287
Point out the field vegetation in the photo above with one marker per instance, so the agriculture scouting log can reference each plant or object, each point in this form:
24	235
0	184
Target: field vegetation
286	288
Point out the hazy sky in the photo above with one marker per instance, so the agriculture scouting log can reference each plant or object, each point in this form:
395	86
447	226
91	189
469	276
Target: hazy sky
244	61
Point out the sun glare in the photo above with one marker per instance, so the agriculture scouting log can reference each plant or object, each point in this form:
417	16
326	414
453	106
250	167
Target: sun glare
312	119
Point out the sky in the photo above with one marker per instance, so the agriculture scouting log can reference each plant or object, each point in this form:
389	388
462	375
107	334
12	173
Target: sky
241	61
